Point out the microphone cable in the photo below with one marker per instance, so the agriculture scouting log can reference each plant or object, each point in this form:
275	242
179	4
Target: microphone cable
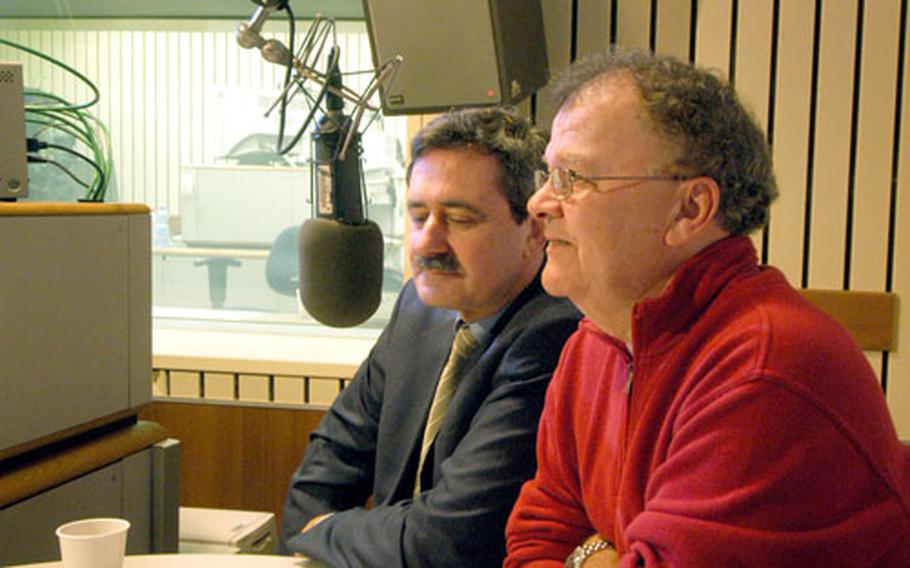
282	113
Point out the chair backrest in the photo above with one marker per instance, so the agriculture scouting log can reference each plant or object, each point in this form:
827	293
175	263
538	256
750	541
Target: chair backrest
281	266
870	316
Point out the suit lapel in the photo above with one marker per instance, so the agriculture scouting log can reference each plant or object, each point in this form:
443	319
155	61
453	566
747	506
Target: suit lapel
413	380
411	383
476	385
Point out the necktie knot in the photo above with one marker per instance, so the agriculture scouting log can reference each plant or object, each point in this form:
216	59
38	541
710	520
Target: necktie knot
463	344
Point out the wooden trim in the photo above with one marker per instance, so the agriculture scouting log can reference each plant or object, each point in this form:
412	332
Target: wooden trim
236	457
50	208
871	317
67	433
47	469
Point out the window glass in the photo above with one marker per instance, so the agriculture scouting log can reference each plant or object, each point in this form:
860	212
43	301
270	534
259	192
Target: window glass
185	108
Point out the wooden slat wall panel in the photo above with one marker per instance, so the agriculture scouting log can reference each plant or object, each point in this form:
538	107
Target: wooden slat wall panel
768	47
832	132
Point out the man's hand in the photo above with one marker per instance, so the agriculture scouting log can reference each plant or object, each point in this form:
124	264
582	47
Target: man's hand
607	558
315	521
310	524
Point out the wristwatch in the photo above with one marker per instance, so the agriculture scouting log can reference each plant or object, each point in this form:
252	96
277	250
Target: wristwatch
581	553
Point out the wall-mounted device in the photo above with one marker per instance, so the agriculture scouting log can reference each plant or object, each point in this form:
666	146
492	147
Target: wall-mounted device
13	165
456	54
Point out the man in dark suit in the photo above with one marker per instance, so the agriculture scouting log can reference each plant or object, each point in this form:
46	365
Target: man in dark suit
441	498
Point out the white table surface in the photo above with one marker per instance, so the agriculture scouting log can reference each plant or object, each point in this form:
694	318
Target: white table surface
203	561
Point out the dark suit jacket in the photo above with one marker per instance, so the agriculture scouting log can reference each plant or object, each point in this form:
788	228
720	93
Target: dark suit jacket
368	442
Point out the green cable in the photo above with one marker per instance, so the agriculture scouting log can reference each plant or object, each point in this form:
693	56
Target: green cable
62	126
72	119
76	123
57	62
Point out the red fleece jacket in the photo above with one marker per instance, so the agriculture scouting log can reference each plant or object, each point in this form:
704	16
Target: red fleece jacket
747	430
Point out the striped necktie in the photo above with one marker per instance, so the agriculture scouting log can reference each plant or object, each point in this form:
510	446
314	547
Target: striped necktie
448	382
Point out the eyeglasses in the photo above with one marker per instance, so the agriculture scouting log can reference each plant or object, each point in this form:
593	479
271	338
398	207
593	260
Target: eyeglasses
562	180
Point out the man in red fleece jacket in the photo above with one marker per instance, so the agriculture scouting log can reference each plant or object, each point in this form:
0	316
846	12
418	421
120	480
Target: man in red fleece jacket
704	414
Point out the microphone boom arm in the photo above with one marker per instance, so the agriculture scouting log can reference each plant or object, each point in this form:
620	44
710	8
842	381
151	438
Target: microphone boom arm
304	65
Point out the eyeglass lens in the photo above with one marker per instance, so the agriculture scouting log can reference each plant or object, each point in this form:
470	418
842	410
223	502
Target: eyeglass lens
560	180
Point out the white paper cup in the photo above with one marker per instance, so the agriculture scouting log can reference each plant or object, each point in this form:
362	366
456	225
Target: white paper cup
93	543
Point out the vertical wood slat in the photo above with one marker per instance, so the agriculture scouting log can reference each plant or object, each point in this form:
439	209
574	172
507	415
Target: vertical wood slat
672	29
827	242
874	144
56	47
633	23
557	15
898	392
123	149
871	204
162	187
153	111
184	140
87	45
791	132
712	43
753	67
171	80
195	87
139	113
208	120
104	111
593	25
77	57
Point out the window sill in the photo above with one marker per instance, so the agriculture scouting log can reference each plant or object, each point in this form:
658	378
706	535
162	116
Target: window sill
260	353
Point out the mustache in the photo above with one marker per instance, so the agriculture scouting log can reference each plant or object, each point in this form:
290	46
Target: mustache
441	262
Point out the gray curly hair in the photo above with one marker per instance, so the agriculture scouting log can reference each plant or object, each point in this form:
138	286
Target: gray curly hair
698	114
500	132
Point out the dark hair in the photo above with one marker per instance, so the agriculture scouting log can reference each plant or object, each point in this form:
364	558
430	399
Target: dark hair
500	132
701	117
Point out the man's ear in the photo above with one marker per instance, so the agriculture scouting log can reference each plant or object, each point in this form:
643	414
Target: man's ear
536	239
696	213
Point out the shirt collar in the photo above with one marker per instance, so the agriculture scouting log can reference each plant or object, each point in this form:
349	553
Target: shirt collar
481	328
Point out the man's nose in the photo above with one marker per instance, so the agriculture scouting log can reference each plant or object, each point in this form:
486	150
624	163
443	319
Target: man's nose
543	204
431	237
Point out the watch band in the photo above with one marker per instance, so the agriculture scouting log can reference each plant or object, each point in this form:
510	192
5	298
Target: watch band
582	552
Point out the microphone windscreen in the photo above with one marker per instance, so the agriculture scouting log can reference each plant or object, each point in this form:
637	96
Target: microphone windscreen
340	270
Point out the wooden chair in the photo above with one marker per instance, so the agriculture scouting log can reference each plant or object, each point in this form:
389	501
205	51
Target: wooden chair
871	317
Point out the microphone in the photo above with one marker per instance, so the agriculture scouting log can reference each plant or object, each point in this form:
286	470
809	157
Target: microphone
339	250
